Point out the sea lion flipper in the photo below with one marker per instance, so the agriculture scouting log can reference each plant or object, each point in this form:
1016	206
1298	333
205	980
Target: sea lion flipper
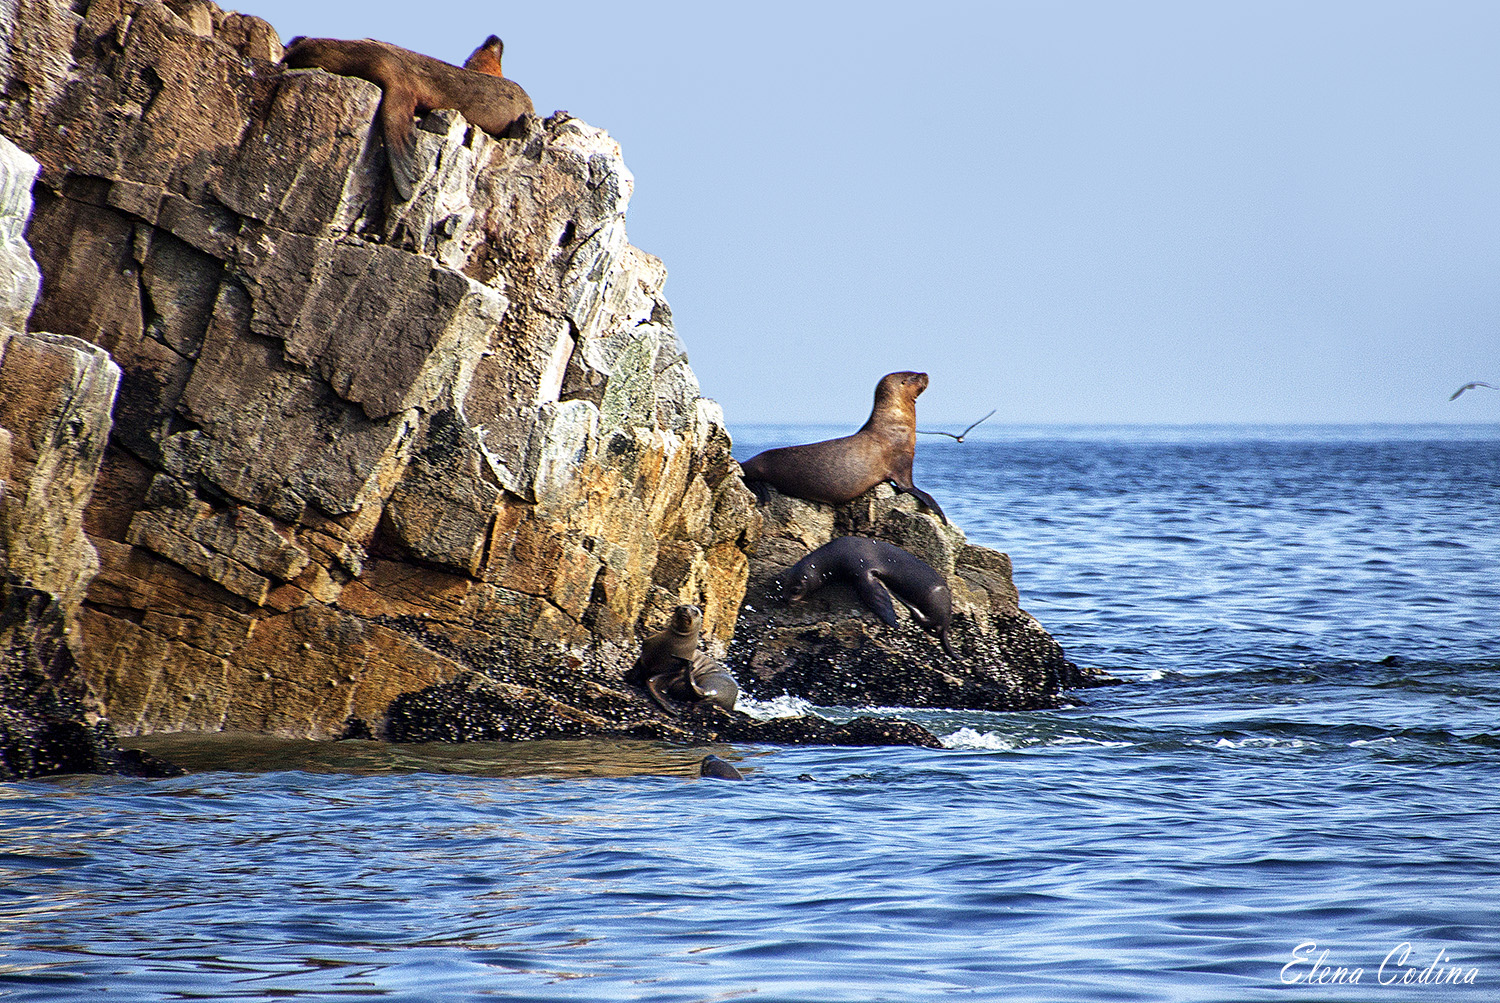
661	701
924	498
874	595
396	110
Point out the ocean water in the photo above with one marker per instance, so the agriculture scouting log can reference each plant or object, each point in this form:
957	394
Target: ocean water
1294	796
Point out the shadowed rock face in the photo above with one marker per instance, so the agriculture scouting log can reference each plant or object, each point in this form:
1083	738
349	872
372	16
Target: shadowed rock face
48	721
360	448
833	651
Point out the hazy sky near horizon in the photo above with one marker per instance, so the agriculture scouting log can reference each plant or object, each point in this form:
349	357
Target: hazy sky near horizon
1157	212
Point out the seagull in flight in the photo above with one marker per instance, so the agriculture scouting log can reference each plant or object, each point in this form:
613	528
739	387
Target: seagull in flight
1471	386
960	436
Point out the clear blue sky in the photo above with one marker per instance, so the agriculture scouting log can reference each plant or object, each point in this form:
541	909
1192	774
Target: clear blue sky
1070	211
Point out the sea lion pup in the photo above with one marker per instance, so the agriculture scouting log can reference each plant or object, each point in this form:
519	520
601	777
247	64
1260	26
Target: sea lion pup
412	83
839	470
877	570
670	666
486	58
713	766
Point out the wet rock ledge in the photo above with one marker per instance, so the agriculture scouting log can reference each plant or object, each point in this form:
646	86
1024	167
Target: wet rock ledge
295	459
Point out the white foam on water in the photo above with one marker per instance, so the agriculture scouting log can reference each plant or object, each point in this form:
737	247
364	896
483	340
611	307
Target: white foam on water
968	738
1261	742
766	710
1097	743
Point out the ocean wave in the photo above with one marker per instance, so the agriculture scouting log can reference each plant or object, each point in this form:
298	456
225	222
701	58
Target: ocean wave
776	707
1262	742
969	739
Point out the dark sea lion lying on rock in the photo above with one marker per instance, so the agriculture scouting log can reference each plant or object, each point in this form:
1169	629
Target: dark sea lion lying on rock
839	470
414	83
670	666
878	571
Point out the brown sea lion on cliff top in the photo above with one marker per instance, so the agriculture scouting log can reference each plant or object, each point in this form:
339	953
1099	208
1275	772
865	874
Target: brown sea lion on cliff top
412	83
486	58
839	470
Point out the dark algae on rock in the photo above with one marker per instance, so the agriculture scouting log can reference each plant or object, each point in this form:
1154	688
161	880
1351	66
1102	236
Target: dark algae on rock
46	724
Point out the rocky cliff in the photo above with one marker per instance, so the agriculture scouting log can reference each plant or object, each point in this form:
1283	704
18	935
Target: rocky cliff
406	469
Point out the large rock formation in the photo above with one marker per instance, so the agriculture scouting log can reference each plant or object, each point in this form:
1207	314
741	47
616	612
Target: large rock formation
55	399
423	469
833	651
371	461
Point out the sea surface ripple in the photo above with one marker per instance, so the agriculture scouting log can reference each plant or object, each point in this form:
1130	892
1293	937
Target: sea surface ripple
1306	752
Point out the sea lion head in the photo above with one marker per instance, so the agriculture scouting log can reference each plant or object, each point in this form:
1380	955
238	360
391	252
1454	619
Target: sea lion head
486	58
793	584
906	385
687	620
896	398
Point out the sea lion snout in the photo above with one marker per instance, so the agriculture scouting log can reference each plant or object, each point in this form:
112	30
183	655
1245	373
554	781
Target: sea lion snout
687	619
793	584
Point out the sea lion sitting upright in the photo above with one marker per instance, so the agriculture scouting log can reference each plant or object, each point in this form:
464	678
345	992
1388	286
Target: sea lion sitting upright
873	567
839	470
670	666
414	83
486	58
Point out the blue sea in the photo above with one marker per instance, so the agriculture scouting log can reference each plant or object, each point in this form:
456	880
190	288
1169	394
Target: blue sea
1294	796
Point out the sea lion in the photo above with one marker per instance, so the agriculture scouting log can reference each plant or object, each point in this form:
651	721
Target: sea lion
877	570
839	470
486	58
412	83
699	679
670	666
713	766
709	680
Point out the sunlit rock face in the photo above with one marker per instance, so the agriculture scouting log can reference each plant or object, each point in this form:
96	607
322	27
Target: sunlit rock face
360	448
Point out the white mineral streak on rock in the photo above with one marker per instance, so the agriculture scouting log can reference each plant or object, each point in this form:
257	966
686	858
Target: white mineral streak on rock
20	280
565	439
